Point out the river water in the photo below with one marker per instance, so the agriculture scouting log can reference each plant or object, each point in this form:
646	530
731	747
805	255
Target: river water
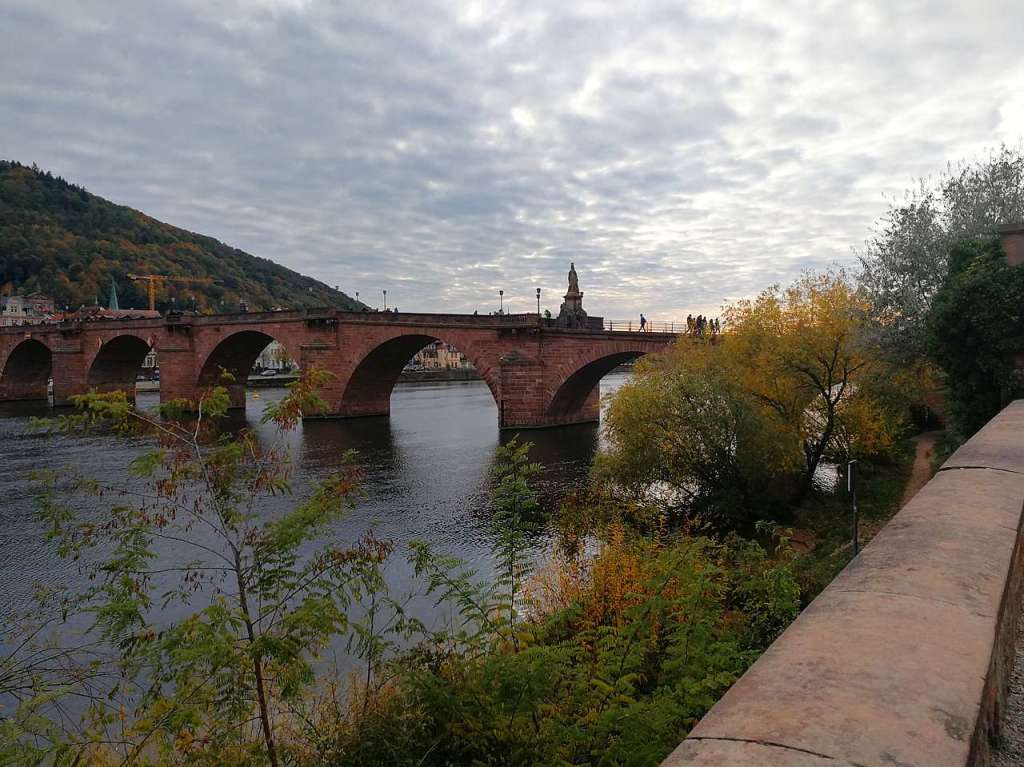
426	469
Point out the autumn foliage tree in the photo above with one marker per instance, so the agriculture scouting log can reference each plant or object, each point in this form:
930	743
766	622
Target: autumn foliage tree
726	431
687	438
803	353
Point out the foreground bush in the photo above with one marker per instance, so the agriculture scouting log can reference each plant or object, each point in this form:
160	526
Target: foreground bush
627	650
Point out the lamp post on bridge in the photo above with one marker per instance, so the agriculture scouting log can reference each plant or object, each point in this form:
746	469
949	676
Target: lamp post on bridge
385	300
538	302
501	302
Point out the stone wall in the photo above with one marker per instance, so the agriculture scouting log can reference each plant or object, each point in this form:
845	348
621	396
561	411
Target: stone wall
904	659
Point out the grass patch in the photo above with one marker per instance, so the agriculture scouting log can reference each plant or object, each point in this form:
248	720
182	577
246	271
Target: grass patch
829	520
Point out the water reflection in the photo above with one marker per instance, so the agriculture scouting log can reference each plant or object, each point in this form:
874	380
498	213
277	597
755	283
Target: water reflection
427	473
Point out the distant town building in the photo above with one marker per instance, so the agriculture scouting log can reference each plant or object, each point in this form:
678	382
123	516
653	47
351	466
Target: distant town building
33	309
275	357
440	356
96	313
112	311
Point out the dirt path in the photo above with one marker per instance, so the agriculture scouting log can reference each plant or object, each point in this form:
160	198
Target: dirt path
922	470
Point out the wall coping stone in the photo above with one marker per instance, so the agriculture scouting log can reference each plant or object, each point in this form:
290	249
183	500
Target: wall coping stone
904	658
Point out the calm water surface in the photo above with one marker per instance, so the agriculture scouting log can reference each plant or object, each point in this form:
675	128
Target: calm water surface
426	477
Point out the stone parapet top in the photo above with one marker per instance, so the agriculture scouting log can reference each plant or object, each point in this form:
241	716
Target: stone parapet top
902	660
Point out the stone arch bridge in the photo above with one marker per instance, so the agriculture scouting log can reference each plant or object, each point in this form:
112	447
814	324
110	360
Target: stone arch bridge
540	375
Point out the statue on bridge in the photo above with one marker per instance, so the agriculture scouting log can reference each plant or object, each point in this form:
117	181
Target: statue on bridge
571	314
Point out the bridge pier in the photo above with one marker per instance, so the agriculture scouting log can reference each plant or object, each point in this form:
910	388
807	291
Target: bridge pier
22	391
69	374
178	374
326	357
523	412
525	396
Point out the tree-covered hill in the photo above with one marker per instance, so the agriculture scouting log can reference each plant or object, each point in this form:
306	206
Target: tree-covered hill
59	239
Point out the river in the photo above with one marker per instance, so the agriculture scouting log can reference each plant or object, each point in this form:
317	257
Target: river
426	469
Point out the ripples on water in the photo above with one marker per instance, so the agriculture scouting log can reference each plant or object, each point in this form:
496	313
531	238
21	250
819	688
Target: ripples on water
426	476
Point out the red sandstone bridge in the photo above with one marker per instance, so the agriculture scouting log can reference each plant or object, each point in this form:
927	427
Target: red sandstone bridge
540	375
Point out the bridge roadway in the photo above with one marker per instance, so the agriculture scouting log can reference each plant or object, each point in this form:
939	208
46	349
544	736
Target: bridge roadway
540	374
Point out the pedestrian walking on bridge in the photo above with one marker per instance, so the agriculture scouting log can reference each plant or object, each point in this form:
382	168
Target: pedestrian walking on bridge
643	323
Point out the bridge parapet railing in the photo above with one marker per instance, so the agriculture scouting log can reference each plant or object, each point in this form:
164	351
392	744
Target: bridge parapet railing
651	326
475	320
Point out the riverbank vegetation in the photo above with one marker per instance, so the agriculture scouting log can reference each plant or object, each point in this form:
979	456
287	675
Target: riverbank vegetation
211	621
736	431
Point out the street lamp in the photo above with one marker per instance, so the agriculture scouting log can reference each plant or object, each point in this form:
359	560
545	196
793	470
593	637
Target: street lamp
538	302
357	295
501	302
385	300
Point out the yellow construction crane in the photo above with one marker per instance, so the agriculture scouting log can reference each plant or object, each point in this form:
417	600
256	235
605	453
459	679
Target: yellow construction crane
153	279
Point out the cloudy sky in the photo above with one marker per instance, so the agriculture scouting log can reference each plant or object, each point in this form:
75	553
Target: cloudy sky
682	154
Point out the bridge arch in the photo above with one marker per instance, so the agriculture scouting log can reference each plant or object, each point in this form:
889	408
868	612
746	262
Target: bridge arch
368	389
236	354
116	364
26	371
575	396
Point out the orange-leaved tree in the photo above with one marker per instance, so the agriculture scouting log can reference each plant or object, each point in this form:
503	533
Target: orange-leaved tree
802	353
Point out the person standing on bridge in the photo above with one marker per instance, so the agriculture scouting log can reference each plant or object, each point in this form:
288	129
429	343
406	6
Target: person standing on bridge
643	323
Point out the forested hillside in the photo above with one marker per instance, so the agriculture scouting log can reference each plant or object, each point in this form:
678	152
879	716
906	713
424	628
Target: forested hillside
59	239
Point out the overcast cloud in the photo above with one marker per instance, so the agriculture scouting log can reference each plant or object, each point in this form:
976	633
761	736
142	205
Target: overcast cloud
682	154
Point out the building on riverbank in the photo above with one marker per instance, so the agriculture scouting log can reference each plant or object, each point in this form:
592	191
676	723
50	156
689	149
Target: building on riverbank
275	357
439	356
31	309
